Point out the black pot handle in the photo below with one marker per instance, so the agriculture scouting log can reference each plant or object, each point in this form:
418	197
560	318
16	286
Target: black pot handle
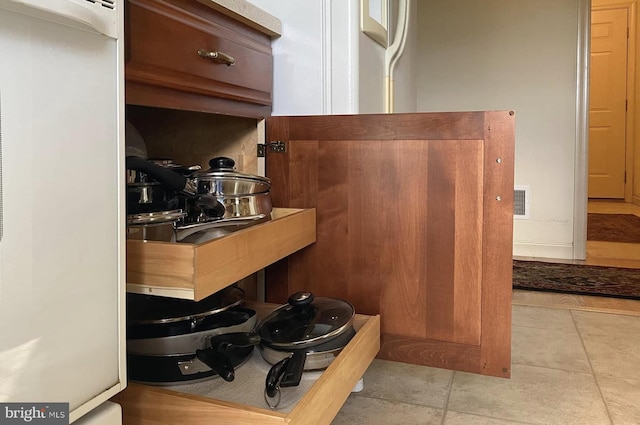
236	339
286	373
273	377
218	362
174	181
209	203
295	367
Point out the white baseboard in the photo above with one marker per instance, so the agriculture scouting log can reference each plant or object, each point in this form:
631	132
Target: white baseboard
560	251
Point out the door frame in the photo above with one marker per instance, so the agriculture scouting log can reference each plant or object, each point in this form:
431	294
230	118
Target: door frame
582	116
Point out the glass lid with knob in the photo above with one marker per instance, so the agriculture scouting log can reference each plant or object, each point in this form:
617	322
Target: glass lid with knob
306	320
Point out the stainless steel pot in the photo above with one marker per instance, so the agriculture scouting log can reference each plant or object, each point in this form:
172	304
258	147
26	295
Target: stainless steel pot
149	197
156	226
243	195
305	334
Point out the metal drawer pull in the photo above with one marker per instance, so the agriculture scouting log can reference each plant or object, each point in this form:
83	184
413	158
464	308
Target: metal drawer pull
229	60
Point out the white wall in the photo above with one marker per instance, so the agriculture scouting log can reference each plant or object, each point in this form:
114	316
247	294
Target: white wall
520	55
323	64
299	72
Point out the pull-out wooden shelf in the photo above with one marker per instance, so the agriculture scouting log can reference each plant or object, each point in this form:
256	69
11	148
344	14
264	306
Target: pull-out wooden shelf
143	404
194	271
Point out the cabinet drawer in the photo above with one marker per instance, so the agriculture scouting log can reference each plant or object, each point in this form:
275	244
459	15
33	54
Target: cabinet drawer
194	271
144	404
163	38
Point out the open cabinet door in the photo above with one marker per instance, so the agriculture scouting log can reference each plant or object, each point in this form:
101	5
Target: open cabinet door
414	222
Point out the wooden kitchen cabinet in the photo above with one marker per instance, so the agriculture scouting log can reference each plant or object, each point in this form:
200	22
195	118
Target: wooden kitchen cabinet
414	222
177	107
166	65
407	216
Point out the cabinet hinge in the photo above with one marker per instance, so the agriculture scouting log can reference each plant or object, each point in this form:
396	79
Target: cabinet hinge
276	147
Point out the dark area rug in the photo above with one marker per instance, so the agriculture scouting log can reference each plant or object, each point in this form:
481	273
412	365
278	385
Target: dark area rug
613	228
577	279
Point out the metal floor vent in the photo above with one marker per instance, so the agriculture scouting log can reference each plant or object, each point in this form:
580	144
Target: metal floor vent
521	202
109	4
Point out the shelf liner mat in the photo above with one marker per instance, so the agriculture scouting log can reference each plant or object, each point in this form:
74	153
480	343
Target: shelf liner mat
248	386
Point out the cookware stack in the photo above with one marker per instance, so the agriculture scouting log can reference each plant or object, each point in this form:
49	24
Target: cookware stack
176	341
172	340
169	201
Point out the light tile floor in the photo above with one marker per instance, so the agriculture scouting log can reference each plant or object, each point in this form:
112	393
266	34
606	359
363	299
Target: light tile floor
568	367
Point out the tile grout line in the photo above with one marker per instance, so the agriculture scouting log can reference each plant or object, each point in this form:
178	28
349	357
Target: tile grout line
578	308
446	401
590	372
593	372
446	408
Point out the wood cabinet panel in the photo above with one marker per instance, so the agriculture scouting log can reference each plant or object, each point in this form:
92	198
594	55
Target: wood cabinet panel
164	67
409	226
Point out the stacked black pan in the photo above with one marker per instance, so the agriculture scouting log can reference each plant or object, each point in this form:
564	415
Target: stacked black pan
173	341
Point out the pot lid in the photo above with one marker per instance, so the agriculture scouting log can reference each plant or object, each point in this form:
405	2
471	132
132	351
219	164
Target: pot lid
134	143
224	168
154	218
172	165
306	321
151	309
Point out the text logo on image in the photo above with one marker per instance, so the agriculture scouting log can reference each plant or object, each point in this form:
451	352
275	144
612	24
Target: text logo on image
34	413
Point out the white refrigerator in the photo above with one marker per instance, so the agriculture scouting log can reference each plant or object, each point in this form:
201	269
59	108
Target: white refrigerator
62	230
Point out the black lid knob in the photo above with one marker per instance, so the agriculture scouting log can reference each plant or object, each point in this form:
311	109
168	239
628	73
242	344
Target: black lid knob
301	299
222	163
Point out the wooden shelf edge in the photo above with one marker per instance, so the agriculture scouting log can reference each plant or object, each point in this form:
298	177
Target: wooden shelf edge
325	399
143	404
193	271
252	249
161	291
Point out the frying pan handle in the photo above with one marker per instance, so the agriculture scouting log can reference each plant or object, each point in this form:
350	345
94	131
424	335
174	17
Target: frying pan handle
218	362
295	367
273	377
237	339
169	178
209	203
286	373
